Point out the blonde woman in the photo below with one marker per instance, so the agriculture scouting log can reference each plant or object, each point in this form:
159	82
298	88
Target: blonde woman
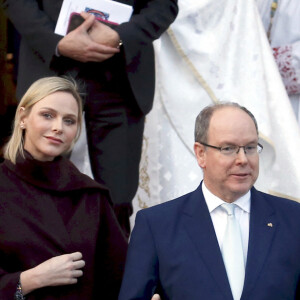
59	238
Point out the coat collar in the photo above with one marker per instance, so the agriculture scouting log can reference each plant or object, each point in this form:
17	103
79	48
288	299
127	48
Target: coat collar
62	180
59	175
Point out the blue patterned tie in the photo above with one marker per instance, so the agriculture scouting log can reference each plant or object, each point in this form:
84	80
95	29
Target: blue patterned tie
232	251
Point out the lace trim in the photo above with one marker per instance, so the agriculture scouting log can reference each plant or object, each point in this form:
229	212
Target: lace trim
283	56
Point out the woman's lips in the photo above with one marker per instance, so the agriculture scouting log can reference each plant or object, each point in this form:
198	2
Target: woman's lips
55	140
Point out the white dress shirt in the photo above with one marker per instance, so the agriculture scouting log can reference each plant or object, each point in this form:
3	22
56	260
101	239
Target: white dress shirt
219	216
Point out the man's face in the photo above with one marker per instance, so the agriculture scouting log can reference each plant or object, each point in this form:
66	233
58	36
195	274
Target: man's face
229	177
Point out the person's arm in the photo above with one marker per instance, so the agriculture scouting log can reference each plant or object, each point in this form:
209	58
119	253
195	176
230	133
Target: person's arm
37	29
80	45
149	21
102	33
34	25
287	58
141	276
59	270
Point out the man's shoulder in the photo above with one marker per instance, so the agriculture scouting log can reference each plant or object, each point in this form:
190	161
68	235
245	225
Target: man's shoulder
165	218
280	203
168	208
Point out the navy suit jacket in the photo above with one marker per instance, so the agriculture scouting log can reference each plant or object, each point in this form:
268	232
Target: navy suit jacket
174	250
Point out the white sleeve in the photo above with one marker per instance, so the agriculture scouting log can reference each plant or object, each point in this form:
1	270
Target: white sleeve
288	60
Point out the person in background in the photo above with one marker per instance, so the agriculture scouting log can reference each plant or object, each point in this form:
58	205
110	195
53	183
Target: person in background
59	237
117	68
225	240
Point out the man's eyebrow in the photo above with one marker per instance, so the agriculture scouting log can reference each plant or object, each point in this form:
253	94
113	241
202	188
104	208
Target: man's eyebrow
231	143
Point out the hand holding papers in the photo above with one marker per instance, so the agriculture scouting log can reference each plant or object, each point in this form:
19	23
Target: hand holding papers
80	46
109	11
102	34
77	19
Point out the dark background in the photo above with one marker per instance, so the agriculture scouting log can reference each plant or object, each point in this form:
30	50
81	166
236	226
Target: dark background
9	48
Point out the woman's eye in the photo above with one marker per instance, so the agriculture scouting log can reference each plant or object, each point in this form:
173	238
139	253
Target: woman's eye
70	121
47	115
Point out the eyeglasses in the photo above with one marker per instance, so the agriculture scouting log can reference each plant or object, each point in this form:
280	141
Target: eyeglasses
250	149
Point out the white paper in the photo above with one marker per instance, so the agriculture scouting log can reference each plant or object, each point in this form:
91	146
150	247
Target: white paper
118	12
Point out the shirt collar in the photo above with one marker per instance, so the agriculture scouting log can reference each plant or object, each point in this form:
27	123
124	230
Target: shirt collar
213	201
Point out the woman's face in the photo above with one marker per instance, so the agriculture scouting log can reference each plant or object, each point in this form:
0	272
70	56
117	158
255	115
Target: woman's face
50	126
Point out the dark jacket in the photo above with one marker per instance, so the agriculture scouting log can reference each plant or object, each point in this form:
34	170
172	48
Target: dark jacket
36	20
173	247
49	209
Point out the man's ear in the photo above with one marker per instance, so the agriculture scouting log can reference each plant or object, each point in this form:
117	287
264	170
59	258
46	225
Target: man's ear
200	154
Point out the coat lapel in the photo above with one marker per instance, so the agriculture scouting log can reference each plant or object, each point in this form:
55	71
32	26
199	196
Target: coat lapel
199	226
84	224
56	228
263	225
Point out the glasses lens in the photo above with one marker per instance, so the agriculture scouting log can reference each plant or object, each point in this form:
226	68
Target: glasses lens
251	149
229	150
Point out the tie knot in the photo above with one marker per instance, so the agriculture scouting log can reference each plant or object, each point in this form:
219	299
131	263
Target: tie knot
229	208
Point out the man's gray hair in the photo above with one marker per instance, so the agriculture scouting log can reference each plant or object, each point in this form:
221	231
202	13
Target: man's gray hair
204	117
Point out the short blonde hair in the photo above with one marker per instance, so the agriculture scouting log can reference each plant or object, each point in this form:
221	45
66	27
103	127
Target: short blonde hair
36	92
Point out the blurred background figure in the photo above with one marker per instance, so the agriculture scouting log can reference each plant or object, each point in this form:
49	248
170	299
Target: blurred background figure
9	41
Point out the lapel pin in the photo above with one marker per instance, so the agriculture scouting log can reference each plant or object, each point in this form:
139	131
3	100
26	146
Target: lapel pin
270	224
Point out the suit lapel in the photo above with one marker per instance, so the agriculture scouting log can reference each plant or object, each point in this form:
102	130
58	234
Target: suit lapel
199	226
263	225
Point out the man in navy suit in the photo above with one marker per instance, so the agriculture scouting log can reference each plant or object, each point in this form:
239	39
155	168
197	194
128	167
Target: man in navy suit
177	249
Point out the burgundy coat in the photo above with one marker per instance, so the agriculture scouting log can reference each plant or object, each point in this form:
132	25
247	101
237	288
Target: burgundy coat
49	209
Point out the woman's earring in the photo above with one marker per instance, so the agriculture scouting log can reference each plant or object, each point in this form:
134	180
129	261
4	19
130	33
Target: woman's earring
22	126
